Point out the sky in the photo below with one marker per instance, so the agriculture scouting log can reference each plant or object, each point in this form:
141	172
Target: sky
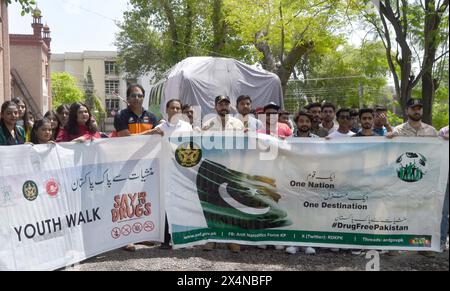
76	25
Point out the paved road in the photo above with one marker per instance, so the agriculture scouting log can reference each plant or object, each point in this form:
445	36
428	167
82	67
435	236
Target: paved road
253	259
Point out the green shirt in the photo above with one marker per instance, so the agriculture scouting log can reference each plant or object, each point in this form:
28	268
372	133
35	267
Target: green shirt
20	133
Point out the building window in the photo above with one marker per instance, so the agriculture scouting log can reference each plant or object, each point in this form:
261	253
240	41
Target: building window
110	68
111	86
112	106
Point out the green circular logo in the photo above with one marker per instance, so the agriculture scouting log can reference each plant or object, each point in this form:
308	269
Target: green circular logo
30	190
411	167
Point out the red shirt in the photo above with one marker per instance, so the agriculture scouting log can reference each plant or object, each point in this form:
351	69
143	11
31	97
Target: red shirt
64	136
283	131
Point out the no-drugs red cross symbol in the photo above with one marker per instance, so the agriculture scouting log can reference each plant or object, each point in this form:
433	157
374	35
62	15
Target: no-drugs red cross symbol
137	227
115	233
149	226
126	230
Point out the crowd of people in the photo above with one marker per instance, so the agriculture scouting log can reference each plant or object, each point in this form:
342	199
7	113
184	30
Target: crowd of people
317	120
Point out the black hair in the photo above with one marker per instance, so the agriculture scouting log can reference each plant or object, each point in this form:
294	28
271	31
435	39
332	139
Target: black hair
328	105
7	104
312	105
72	126
242	98
338	113
365	110
302	113
354	112
38	124
50	115
26	126
185	107
61	107
380	108
173	100
132	86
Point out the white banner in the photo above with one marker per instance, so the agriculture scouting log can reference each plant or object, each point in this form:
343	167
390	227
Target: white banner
61	204
368	193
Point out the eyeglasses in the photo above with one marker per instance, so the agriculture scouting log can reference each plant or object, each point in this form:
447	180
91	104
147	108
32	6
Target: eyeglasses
136	95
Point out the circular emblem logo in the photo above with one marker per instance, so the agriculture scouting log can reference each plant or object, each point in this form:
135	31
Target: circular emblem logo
52	188
411	167
30	190
188	154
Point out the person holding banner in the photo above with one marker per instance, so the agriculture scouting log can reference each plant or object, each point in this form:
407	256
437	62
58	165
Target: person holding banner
381	123
345	123
328	115
315	110
42	132
414	126
303	120
80	127
135	120
223	122
174	125
10	132
273	126
244	107
366	116
444	224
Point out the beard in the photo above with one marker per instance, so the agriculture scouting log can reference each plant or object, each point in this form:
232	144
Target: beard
367	125
304	128
245	112
415	117
224	112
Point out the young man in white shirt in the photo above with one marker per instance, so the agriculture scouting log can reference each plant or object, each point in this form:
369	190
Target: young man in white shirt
174	123
344	119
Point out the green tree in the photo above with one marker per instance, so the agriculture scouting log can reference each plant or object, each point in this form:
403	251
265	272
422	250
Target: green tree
344	75
281	32
413	33
157	34
27	5
89	90
65	89
92	101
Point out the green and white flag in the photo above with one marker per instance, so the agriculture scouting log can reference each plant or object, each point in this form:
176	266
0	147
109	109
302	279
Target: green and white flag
365	193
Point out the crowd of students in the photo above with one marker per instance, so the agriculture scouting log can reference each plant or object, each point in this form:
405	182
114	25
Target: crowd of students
317	120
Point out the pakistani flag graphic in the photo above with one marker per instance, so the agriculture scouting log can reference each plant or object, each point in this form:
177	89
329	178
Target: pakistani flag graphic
233	199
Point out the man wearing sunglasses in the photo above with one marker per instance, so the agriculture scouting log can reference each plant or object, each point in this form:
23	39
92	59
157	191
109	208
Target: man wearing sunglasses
135	120
344	119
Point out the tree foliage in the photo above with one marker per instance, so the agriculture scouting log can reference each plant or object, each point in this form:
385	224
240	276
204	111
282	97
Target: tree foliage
344	75
415	38
65	89
157	34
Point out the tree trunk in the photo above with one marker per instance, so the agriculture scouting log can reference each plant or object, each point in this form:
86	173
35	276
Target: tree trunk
431	27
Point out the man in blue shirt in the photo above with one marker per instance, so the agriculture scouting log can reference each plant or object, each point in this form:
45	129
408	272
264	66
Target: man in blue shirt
381	124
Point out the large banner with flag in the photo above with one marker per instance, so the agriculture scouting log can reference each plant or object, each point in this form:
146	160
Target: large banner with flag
61	204
369	193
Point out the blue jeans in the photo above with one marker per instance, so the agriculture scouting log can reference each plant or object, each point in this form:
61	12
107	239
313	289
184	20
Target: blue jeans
444	222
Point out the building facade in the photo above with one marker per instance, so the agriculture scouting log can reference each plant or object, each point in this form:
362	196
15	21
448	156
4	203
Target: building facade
5	79
30	70
110	85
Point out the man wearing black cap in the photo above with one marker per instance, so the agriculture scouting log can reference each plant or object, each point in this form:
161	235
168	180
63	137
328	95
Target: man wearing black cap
272	126
223	121
414	126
